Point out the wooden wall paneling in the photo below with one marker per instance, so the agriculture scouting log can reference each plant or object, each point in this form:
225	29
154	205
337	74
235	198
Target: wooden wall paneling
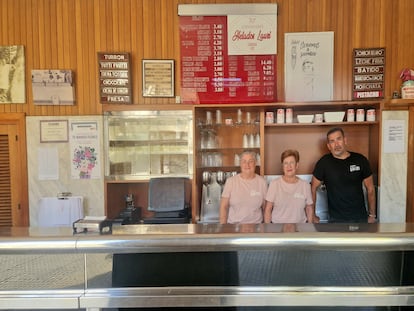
27	38
90	55
342	26
136	49
115	25
62	33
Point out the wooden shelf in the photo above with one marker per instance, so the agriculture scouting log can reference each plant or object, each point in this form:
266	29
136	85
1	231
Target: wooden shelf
321	124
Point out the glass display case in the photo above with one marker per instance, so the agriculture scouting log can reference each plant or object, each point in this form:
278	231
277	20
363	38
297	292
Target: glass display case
144	144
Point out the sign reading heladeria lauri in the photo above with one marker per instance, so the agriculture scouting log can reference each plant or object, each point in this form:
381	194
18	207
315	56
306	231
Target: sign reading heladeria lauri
368	73
114	78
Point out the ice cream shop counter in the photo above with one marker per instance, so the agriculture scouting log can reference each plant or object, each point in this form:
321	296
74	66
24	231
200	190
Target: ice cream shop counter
209	267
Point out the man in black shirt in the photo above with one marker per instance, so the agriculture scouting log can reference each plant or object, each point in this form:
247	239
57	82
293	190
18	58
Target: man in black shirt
343	172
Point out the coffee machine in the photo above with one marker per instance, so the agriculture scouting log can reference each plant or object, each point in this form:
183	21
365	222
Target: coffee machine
213	183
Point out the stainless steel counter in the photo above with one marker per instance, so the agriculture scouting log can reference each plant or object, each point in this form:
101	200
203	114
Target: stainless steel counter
209	237
277	265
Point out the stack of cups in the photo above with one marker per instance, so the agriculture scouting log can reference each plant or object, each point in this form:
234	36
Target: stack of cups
360	115
280	115
371	115
289	115
350	115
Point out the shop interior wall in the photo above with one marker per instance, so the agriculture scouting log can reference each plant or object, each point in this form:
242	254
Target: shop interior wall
67	34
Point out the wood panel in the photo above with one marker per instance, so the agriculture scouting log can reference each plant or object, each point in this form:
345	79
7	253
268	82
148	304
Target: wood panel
67	34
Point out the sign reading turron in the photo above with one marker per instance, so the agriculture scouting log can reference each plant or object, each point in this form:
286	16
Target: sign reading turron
368	73
114	78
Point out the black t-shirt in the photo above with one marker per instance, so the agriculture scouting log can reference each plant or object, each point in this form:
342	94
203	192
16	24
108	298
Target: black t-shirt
343	180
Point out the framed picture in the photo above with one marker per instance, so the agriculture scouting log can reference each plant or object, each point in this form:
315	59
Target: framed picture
309	66
54	131
157	78
53	87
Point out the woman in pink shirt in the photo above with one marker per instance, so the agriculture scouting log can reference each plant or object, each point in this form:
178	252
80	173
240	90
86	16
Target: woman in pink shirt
243	197
289	198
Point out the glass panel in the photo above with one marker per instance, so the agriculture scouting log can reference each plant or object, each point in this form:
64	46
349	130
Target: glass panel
149	143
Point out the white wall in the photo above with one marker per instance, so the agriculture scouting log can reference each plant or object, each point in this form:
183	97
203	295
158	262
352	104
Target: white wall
92	190
393	181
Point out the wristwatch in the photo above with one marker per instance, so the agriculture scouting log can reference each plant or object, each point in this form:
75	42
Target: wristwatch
372	215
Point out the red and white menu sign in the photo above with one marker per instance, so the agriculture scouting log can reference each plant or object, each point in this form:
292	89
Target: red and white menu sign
210	75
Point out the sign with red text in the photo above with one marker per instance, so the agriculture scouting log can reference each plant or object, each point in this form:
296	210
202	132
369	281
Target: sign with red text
210	74
368	73
251	34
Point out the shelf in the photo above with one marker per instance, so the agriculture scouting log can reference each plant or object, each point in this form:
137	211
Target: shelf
227	149
123	143
320	124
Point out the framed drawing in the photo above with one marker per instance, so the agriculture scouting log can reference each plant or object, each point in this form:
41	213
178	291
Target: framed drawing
12	74
158	78
309	66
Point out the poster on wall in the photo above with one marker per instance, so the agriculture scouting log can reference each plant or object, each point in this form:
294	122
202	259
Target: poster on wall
309	66
84	146
12	74
229	58
53	87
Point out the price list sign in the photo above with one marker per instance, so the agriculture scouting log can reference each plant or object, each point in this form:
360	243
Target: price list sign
210	75
114	78
368	73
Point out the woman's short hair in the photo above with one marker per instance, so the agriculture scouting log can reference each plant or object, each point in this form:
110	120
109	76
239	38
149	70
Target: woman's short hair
288	153
248	152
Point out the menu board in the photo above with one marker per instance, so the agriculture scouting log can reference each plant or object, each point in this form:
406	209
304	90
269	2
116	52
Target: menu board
114	78
210	75
369	65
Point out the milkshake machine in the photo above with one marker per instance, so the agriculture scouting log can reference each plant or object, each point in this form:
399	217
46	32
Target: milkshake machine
213	183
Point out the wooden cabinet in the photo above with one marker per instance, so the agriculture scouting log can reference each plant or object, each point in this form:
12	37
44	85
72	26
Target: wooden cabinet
221	132
308	138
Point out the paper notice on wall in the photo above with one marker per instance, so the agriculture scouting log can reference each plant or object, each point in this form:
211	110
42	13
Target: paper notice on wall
48	164
84	149
394	136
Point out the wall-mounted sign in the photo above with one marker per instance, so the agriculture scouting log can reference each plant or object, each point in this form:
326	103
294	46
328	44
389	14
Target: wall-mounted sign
114	78
228	53
157	78
368	73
